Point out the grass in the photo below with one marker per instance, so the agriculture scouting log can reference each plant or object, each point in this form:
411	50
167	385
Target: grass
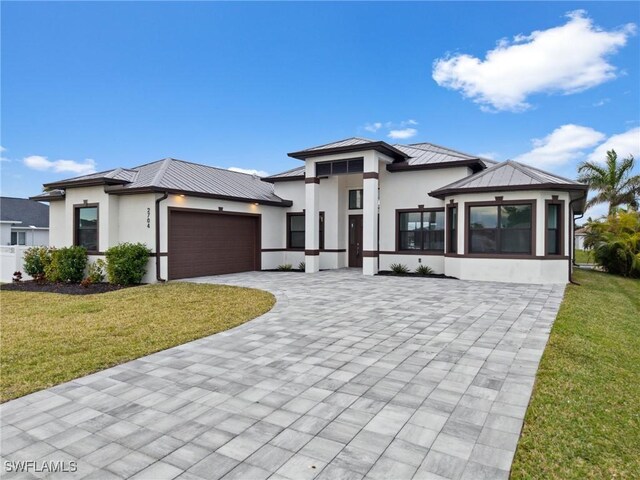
584	418
49	338
584	256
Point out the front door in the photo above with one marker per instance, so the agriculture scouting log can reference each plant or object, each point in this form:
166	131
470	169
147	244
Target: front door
355	241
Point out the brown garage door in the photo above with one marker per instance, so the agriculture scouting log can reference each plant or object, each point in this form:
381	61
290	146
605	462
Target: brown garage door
212	243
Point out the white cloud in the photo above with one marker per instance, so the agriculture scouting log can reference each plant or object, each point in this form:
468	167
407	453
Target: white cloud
565	143
2	157
402	134
565	59
2	149
489	155
373	127
601	102
625	144
250	171
38	162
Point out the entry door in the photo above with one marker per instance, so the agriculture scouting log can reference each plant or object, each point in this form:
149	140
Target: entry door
355	240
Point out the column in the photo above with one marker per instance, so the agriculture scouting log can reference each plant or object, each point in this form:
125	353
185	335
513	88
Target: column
312	224
370	215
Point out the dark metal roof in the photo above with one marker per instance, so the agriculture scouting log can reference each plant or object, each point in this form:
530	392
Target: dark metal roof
23	210
178	176
293	174
353	144
508	175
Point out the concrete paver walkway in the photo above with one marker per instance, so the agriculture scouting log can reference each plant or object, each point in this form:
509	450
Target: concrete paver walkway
348	377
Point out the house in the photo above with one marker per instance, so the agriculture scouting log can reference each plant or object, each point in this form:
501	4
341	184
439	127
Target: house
23	222
353	203
579	235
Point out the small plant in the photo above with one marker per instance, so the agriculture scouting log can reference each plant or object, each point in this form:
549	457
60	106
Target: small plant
17	277
126	263
95	271
424	270
399	268
302	266
285	267
40	278
36	260
67	265
86	282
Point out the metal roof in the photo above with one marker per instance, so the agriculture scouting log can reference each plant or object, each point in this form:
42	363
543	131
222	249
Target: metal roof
293	174
507	175
179	176
347	142
23	210
352	144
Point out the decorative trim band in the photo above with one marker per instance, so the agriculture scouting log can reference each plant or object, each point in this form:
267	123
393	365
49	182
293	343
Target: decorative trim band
367	175
312	253
311	180
369	253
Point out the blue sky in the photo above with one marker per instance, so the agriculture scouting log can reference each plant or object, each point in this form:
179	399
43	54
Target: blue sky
96	85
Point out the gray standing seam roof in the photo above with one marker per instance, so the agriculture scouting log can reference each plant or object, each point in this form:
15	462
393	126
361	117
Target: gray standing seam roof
28	212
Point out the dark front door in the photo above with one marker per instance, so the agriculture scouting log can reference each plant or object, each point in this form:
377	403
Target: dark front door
355	240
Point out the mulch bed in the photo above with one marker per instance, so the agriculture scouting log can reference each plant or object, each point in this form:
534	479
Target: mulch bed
64	288
389	273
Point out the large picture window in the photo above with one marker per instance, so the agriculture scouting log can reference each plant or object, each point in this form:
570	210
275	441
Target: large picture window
296	229
501	229
421	230
86	227
553	231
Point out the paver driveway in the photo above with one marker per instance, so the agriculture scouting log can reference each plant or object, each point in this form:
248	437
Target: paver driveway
347	377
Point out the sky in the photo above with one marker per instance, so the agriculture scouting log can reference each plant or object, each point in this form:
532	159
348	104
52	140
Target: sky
90	86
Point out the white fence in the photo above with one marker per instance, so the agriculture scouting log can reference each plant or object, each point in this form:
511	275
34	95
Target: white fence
11	260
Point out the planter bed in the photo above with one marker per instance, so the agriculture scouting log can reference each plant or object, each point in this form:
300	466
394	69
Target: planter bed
389	273
64	288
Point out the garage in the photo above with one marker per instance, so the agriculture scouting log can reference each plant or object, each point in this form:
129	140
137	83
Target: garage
212	243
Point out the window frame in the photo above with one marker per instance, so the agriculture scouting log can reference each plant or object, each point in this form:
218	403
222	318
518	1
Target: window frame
451	233
76	218
560	230
351	166
361	190
17	234
499	202
320	230
422	211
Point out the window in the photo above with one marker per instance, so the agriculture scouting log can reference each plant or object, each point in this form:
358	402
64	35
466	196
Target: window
339	167
421	230
554	229
86	227
452	222
355	199
18	238
295	230
502	228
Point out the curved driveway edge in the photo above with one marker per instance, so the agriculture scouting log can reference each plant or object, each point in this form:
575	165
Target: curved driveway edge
346	377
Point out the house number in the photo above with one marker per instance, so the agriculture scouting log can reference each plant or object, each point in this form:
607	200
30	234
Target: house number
148	218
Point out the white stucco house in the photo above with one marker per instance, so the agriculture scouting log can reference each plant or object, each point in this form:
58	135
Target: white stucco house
353	203
23	222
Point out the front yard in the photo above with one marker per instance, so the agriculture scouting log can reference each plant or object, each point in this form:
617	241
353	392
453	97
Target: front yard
584	417
50	338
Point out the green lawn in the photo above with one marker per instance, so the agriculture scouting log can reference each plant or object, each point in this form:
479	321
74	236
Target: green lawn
50	338
584	256
584	419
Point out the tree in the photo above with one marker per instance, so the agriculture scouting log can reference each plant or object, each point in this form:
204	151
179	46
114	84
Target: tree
613	182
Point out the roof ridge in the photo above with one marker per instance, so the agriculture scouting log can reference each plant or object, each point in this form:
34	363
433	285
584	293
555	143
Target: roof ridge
317	147
460	152
546	173
524	169
456	154
208	166
161	171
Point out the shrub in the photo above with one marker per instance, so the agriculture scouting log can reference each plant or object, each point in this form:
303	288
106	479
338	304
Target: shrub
285	267
126	263
36	260
17	277
424	270
67	265
302	266
399	268
95	271
616	243
86	283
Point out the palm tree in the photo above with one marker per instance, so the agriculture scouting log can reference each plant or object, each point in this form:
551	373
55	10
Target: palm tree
612	181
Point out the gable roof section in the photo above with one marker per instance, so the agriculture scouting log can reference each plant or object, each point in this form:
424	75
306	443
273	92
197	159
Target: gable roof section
180	177
506	176
429	155
353	144
297	173
24	211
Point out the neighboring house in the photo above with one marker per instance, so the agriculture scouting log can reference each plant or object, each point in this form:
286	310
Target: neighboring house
579	236
23	222
353	203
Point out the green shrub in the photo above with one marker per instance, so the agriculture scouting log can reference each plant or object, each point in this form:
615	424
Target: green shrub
36	260
424	270
126	263
302	266
285	267
95	271
399	268
67	265
616	243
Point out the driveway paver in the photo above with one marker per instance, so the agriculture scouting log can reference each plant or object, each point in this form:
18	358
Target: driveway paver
347	377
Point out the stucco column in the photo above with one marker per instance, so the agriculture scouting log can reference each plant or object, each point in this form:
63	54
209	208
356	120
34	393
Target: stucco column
311	225
370	215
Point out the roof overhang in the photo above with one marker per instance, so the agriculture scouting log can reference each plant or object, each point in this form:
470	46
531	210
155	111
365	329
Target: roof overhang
132	191
282	179
92	182
381	147
445	192
47	197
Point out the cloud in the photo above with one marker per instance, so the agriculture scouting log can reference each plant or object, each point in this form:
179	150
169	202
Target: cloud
38	162
2	157
402	134
489	155
565	59
373	127
625	144
250	171
601	102
565	143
